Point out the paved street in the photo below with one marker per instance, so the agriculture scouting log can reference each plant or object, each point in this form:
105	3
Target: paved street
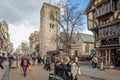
96	74
38	73
5	64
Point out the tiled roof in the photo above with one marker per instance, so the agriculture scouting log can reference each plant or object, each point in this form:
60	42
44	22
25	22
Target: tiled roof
86	37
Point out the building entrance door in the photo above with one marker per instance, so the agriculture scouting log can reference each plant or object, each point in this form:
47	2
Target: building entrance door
117	58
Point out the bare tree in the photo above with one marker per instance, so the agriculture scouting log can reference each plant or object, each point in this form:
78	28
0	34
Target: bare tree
71	21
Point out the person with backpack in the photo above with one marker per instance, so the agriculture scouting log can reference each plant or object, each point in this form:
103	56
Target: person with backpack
25	63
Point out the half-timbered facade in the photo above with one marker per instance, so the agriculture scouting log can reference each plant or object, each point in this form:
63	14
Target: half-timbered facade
104	21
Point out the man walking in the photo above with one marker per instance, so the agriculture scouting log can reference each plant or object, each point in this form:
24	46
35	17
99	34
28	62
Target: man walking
24	64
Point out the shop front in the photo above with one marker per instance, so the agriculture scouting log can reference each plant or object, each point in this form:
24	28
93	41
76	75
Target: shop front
110	56
110	51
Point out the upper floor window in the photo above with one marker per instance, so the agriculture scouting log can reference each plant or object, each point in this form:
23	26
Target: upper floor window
118	4
51	26
51	15
94	15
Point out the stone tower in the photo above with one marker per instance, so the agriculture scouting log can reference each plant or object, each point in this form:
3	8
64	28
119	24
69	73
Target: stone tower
49	28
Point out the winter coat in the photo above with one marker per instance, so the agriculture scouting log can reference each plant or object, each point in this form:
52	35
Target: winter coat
22	62
74	70
62	70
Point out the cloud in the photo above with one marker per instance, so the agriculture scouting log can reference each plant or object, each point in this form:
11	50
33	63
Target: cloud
20	33
22	16
18	10
87	32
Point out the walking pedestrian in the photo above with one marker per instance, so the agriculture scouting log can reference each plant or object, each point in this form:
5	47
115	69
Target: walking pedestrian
48	62
24	64
33	60
62	68
75	68
95	61
1	61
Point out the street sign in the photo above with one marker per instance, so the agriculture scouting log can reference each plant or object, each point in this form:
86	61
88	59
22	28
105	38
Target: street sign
92	51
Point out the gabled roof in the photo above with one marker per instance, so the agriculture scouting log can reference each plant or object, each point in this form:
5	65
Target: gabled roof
86	37
88	6
63	37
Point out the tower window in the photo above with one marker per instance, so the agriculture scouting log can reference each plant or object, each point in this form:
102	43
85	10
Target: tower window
52	26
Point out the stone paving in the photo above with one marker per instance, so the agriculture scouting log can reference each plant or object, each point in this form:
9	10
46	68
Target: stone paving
38	73
97	74
5	64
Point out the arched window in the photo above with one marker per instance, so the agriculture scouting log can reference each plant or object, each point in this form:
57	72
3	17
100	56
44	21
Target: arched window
87	48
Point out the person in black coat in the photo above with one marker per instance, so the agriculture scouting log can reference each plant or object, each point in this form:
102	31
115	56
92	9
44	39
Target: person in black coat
1	61
63	70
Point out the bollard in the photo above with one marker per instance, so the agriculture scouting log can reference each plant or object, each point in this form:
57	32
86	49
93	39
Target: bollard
101	67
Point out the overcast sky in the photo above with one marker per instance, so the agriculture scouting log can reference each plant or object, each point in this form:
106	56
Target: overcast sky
23	17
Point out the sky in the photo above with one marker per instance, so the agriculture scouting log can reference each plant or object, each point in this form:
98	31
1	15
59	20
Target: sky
23	17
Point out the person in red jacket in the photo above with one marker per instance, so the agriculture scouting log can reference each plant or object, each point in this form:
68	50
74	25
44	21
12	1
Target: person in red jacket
25	64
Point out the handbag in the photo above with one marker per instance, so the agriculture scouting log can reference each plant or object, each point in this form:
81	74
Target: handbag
30	68
21	69
79	71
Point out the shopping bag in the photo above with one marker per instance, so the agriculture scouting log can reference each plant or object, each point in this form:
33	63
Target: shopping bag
79	71
21	69
30	68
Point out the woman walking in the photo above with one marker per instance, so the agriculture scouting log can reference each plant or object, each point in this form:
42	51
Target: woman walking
74	68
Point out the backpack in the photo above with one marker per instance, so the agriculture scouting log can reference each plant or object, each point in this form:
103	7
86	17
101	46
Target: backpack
25	62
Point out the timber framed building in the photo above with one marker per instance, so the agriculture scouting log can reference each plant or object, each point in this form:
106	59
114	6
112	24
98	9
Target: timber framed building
104	21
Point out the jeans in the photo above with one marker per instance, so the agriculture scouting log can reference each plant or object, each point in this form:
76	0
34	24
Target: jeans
25	70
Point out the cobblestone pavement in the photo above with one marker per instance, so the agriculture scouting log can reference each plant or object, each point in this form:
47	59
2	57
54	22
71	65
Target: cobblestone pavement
5	64
38	73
